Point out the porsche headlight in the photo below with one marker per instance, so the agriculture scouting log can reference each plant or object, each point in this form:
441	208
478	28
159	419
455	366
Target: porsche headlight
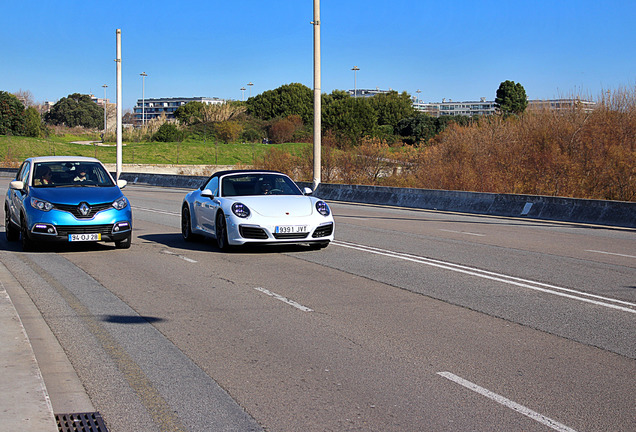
120	203
41	204
323	208
240	210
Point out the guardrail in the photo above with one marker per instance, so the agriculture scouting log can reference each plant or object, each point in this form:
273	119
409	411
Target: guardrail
595	212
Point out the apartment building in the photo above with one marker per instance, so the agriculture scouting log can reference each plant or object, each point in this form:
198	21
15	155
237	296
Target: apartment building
152	108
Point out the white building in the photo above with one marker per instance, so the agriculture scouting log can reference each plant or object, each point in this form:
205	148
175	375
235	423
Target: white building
155	107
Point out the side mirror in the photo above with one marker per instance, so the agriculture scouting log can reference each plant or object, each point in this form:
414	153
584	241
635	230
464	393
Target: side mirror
207	193
307	191
17	185
121	184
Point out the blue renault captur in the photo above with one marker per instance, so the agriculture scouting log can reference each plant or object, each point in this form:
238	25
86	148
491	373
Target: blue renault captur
66	199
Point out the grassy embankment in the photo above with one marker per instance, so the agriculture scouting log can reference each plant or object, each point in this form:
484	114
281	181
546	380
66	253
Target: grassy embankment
13	150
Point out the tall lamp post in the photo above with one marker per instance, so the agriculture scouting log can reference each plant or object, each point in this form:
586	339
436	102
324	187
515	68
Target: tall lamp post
355	70
243	94
143	98
105	116
250	84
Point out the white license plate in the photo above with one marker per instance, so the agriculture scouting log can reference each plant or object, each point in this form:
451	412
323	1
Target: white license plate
84	237
291	229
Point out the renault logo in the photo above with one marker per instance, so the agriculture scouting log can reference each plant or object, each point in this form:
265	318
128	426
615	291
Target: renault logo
84	209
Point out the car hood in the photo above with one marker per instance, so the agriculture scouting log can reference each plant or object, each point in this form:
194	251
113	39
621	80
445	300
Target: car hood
77	194
279	205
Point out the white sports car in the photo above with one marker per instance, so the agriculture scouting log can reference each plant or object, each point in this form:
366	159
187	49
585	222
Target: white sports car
250	206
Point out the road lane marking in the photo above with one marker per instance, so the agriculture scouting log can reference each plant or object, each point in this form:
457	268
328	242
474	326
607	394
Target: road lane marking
284	299
511	280
190	260
463	232
507	403
157	211
610	253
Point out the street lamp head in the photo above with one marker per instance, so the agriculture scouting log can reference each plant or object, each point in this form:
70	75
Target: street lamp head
143	74
355	68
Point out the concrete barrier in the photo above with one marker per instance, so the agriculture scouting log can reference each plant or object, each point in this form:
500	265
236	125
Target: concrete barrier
596	212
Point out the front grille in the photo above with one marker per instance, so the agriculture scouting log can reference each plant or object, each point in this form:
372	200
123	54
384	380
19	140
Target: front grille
74	209
80	422
65	230
288	236
252	232
323	231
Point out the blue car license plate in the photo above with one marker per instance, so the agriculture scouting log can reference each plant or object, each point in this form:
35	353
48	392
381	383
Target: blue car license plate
84	237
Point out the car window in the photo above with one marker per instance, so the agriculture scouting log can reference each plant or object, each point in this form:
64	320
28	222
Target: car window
213	185
66	174
23	173
258	184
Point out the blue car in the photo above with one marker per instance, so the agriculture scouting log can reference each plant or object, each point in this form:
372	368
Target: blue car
66	199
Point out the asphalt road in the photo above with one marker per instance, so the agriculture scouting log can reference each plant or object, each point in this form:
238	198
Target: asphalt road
410	321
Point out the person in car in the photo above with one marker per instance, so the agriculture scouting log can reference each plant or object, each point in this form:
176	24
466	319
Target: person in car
81	174
43	176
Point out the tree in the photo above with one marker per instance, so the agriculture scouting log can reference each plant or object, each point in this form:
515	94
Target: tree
11	115
392	107
76	110
168	132
32	123
350	118
511	98
190	113
228	131
286	100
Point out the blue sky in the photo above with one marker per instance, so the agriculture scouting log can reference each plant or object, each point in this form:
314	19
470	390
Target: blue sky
459	50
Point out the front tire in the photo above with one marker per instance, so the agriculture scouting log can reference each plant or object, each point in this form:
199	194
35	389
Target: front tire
11	231
27	243
125	243
221	232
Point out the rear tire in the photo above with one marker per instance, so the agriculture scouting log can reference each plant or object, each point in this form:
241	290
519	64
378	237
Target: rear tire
12	232
186	224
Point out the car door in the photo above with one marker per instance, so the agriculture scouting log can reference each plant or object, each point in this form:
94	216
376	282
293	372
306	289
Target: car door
17	197
206	207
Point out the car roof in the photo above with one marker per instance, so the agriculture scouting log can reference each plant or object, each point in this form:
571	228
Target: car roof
240	171
39	159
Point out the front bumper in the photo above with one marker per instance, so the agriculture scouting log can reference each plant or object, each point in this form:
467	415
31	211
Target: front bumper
249	233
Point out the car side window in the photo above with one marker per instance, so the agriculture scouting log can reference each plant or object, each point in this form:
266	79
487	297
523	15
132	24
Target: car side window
213	185
23	174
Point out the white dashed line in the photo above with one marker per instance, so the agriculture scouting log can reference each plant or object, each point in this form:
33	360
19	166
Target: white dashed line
463	232
507	403
190	260
284	300
611	253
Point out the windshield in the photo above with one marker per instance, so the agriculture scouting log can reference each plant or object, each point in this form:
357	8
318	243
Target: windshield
258	184
64	174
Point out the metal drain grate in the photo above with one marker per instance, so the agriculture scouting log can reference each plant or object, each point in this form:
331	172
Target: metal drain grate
80	422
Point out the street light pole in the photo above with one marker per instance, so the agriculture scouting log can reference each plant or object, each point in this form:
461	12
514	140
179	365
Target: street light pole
243	94
317	99
143	98
355	70
250	84
105	115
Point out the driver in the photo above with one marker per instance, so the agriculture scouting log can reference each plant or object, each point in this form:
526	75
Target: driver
266	187
81	174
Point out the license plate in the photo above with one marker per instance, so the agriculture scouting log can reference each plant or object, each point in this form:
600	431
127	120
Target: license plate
291	229
84	237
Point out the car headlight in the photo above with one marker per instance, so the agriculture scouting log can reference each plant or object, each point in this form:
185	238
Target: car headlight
323	208
120	203
41	204
240	210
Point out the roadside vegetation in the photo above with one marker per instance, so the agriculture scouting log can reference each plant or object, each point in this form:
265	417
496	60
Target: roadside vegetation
570	152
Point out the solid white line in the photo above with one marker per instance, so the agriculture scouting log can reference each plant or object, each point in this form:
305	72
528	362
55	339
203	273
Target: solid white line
537	286
611	253
463	232
507	403
284	300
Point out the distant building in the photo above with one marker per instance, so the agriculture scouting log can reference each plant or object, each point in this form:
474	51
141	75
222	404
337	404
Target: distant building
155	107
367	92
484	107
